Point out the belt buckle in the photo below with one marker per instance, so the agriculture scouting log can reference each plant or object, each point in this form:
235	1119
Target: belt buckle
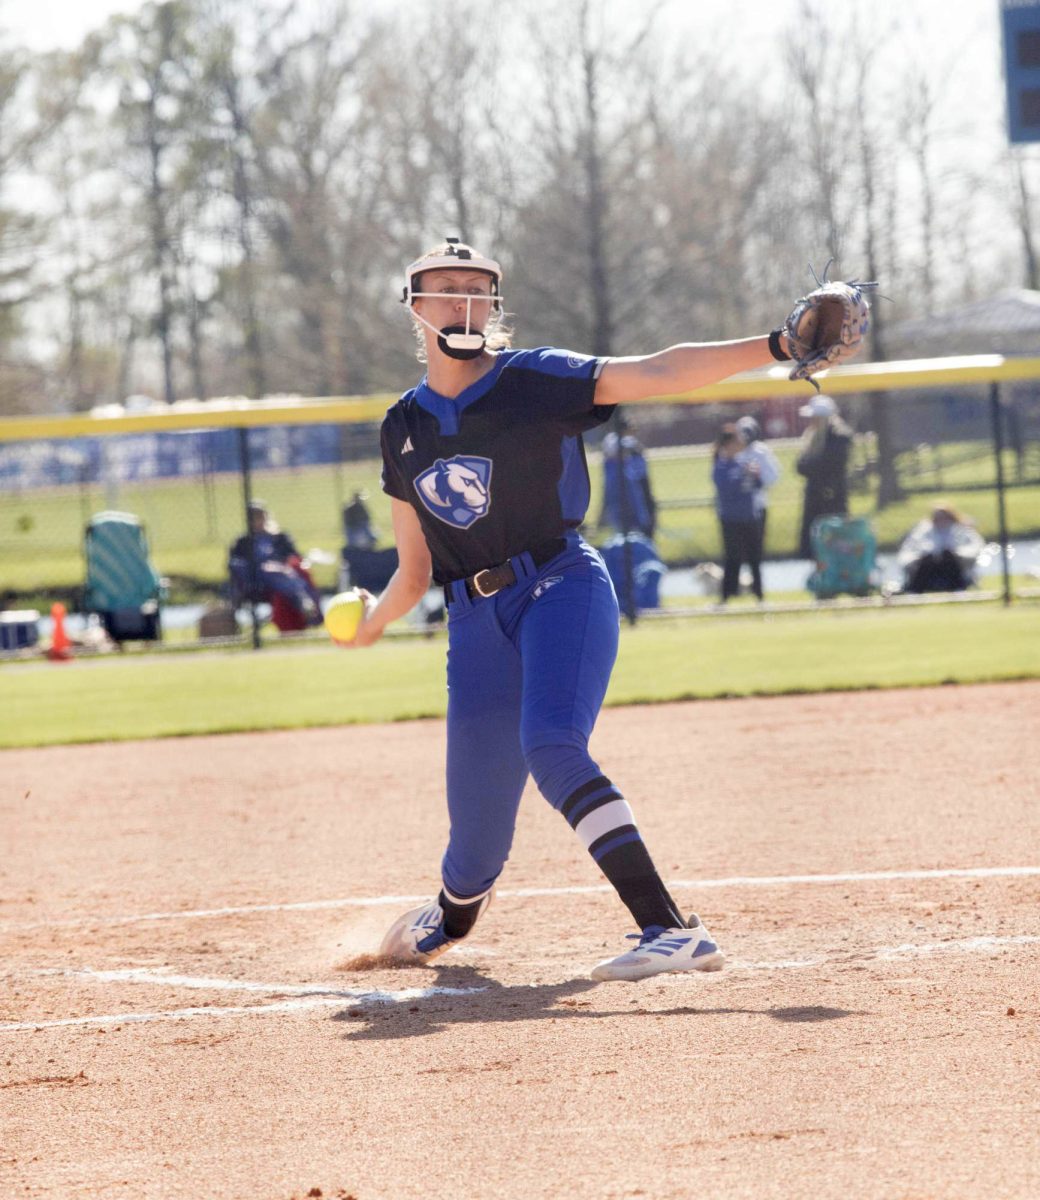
476	583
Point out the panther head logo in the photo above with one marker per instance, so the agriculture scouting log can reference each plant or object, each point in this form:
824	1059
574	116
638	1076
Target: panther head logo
456	490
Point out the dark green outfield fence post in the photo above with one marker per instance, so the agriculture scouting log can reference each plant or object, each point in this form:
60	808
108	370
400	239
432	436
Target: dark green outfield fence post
998	451
247	496
628	597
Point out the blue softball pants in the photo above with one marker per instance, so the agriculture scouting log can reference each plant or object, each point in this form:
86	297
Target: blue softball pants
527	672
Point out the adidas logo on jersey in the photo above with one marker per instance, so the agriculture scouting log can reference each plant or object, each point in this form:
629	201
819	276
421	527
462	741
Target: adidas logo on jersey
407	448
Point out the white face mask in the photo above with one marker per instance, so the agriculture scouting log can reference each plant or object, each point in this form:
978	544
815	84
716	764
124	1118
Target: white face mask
457	341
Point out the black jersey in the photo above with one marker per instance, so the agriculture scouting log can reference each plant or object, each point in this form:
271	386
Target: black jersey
500	468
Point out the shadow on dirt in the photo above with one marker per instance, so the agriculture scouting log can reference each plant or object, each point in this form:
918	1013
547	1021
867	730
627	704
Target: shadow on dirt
501	1004
814	1012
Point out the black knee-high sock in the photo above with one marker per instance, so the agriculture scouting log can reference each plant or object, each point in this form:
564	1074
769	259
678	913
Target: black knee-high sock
460	915
600	816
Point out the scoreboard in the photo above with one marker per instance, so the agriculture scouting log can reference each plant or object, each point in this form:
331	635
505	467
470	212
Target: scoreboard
1021	27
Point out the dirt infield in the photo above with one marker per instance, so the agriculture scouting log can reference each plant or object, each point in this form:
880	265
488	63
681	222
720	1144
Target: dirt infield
177	1020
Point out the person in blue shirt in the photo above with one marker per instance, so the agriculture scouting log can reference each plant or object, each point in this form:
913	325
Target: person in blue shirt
485	468
264	564
737	481
630	508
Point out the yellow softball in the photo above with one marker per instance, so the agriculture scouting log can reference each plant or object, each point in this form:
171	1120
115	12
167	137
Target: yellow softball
343	615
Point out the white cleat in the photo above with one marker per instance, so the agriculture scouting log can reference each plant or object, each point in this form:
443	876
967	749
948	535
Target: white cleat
419	935
662	950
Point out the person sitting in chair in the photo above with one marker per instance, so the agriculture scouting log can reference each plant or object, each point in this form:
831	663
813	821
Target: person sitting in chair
939	553
265	565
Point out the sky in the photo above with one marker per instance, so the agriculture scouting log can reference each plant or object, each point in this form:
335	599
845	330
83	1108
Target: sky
63	24
53	24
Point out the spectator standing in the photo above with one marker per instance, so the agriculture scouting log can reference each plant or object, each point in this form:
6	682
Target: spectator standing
823	461
757	456
628	500
736	483
357	524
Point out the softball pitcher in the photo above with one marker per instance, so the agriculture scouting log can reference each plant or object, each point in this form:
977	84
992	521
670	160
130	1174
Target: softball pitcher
485	467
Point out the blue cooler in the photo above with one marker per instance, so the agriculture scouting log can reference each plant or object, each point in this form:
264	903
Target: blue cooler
647	569
19	629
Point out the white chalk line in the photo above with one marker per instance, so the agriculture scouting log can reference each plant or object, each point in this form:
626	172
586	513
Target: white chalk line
735	881
164	976
314	996
986	943
298	998
142	1018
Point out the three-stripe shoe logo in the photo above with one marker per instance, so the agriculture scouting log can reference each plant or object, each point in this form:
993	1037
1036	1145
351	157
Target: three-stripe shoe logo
681	949
666	947
428	921
428	932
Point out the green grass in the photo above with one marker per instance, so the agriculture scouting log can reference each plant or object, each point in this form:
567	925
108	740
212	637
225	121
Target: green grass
162	695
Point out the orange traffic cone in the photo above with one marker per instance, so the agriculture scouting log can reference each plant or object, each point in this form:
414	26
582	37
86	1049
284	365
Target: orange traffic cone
61	647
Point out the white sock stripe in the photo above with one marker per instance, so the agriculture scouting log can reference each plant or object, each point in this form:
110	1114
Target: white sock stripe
604	819
463	900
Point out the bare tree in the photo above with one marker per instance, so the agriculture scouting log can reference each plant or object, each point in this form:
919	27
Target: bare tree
64	161
587	150
454	93
919	112
726	209
303	136
239	50
848	147
20	231
1024	208
872	153
153	58
817	67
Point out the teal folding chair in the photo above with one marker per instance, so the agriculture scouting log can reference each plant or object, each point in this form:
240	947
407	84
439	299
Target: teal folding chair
845	549
122	586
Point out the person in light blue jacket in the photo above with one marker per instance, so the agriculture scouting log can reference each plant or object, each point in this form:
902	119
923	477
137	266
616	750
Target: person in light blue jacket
758	456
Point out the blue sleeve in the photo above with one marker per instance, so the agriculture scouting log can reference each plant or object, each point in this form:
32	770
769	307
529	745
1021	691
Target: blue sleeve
725	489
561	364
562	386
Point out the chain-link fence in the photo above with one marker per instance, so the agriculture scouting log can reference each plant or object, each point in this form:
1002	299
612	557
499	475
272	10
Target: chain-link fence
939	448
970	447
